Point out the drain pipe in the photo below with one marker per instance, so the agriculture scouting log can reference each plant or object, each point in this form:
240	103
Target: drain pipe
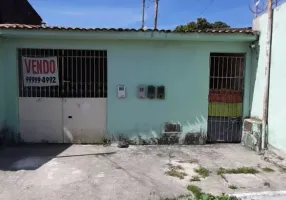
267	72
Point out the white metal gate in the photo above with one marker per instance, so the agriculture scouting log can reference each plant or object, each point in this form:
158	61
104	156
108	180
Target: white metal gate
225	97
75	110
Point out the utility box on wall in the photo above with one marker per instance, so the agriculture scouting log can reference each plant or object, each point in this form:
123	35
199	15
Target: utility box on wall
141	92
161	92
252	134
151	92
121	91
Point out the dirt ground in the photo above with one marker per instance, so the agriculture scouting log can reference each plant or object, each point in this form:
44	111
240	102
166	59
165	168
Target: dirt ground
70	172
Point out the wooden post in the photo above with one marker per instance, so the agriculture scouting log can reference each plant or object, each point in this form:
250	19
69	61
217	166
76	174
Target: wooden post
267	72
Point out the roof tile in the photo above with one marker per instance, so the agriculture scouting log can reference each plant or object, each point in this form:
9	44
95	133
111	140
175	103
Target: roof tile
44	27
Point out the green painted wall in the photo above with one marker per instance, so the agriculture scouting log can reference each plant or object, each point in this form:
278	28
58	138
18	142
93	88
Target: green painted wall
183	67
277	93
2	95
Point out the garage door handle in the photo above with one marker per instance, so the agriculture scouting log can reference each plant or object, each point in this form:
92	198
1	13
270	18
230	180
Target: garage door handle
69	117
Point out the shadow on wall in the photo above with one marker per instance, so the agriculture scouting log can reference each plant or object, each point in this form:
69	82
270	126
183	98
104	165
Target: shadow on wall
190	133
3	133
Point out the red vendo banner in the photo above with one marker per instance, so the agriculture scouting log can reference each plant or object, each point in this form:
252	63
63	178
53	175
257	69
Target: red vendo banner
40	71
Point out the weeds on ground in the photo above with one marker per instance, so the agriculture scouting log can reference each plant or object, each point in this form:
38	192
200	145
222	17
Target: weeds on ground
175	171
199	195
242	170
189	161
105	141
233	187
185	197
202	172
160	154
283	169
195	178
267	169
197	192
177	167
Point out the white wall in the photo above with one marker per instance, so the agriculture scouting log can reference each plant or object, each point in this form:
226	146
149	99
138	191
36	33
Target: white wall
277	91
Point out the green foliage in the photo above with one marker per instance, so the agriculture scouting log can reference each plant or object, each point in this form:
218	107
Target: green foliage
202	172
197	192
283	169
267	169
175	171
181	197
242	170
201	24
212	197
105	140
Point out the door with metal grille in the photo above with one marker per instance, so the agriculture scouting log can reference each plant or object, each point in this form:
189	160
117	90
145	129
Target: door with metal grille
70	107
225	97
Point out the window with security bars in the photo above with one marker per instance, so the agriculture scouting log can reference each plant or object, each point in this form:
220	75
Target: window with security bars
226	71
82	74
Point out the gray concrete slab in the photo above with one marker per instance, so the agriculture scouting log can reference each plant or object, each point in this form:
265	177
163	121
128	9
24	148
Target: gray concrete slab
245	180
106	173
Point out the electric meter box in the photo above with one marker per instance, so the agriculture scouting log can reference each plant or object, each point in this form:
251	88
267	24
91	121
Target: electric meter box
141	92
161	92
151	92
121	91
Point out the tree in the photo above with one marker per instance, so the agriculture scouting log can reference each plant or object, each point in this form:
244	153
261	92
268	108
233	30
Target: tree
201	24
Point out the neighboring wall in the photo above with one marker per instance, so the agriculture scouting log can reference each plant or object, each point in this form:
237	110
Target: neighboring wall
18	12
183	67
277	92
2	95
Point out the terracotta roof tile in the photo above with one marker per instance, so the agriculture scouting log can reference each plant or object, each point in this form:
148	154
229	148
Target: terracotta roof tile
44	27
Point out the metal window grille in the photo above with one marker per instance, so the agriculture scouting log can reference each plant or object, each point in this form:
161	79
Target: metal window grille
82	74
225	97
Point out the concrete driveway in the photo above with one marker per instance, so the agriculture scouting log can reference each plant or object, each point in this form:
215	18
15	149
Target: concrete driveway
86	172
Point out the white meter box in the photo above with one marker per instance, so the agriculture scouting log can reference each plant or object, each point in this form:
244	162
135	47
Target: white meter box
141	92
121	91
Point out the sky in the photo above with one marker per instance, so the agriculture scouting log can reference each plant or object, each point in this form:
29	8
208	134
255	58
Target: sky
128	13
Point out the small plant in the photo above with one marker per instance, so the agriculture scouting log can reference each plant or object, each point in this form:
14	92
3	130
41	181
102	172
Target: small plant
267	169
177	167
242	170
175	171
195	178
105	140
160	155
199	195
202	172
176	198
283	169
197	192
233	187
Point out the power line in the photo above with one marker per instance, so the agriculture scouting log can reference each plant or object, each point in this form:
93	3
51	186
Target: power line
207	7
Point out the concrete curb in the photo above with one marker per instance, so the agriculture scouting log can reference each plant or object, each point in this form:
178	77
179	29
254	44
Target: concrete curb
258	195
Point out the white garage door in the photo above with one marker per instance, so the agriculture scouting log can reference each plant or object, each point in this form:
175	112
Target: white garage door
74	111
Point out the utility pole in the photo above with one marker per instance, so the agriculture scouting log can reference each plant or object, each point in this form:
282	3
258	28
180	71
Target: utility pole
267	72
156	13
143	14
